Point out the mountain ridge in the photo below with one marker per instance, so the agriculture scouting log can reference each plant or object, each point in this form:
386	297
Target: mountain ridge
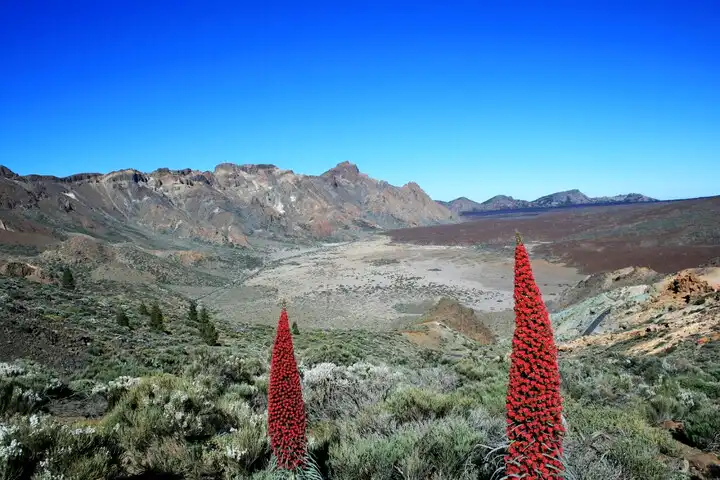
227	205
557	199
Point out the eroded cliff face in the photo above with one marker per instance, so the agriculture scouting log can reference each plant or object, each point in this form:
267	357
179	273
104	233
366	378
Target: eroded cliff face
227	205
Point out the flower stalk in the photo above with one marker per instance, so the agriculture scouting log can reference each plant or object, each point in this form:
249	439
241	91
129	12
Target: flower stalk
534	403
286	408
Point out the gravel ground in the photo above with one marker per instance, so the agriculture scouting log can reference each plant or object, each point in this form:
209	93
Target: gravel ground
377	284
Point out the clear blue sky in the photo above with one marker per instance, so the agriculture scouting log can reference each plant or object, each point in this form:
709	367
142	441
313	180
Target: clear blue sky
472	98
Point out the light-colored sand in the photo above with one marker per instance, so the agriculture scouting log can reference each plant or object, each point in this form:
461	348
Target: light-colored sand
377	284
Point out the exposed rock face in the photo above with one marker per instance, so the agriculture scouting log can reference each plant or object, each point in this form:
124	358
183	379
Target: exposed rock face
599	283
224	206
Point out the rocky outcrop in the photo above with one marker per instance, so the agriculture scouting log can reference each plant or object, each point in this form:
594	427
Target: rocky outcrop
676	308
227	205
24	270
453	314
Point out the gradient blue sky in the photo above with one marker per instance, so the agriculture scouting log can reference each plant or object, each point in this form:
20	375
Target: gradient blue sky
472	98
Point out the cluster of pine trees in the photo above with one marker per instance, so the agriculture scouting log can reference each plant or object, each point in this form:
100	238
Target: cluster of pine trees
201	320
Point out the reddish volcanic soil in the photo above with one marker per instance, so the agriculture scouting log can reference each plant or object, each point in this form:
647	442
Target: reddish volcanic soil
666	237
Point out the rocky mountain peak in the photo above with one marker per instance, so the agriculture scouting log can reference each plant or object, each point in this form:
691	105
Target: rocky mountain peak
344	169
6	172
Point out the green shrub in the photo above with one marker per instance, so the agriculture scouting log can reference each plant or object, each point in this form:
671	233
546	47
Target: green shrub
448	448
168	456
414	404
702	426
38	444
624	437
245	449
122	319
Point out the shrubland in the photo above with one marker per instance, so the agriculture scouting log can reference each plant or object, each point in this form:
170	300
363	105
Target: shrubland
139	401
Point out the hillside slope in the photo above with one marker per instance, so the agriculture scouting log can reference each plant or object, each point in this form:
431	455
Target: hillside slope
227	205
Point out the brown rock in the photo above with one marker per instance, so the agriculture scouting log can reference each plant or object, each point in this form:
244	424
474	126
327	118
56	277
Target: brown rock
453	314
707	464
24	270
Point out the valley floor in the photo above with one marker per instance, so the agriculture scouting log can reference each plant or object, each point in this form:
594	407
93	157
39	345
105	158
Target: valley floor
375	283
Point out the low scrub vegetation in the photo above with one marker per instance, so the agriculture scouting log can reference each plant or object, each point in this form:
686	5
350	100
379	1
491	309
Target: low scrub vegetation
173	398
365	420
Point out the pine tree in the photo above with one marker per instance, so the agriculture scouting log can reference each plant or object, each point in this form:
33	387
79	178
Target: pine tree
156	318
204	315
534	404
68	281
209	333
192	312
121	318
286	409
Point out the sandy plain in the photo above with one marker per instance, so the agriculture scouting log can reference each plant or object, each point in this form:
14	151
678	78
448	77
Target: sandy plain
376	283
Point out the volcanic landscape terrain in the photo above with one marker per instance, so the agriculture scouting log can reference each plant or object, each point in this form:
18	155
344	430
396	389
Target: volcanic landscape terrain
402	335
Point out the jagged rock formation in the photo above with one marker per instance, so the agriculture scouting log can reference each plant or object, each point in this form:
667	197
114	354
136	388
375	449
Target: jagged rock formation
227	205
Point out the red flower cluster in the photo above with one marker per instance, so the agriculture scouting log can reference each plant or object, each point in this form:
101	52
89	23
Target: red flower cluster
534	404
286	409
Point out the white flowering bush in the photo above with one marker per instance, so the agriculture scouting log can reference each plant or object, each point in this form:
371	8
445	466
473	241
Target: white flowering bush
687	398
165	405
223	369
115	389
16	398
25	387
333	391
8	370
39	444
245	446
10	449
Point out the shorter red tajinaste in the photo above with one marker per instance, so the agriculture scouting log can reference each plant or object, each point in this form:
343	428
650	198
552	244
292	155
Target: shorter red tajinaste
534	404
286	408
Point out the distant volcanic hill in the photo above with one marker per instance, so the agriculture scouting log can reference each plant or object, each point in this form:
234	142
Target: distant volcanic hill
559	199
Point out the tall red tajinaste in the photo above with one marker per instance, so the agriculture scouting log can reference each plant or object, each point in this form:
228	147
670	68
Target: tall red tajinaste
534	404
286	408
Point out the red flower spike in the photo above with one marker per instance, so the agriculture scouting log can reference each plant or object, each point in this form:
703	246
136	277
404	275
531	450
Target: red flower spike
286	408
534	404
